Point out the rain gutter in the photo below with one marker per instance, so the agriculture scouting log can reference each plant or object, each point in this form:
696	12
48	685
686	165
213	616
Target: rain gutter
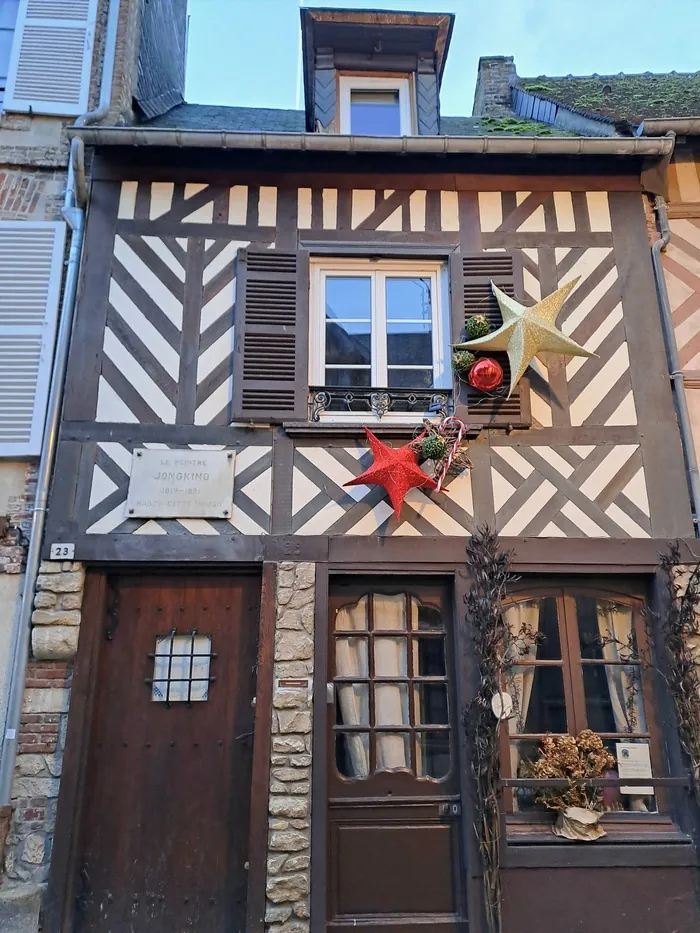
406	145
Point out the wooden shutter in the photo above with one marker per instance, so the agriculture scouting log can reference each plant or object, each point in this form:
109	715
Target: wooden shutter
471	275
270	368
31	262
52	57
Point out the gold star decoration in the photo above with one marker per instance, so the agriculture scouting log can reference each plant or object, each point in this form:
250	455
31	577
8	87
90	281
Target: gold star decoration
525	332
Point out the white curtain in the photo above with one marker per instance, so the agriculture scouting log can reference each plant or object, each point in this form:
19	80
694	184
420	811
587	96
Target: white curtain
391	700
351	661
521	617
615	630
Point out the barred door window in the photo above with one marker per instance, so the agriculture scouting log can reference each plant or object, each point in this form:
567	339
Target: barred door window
391	687
181	668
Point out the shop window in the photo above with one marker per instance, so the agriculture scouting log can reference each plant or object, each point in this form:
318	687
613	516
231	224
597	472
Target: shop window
580	664
181	668
392	711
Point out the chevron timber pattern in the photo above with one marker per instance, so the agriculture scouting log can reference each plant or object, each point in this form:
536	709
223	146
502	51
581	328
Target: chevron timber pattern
143	332
583	491
682	267
107	513
544	211
321	505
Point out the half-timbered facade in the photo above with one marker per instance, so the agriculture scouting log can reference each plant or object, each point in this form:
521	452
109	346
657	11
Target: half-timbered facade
265	726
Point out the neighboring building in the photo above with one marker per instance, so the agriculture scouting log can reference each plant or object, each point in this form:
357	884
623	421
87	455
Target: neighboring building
265	717
642	104
51	64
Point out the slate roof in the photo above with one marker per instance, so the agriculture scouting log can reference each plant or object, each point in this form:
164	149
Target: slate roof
632	97
268	120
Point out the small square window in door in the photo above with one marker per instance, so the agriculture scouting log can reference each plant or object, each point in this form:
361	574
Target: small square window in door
181	668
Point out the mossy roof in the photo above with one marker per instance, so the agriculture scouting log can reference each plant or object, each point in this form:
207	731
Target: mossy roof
623	96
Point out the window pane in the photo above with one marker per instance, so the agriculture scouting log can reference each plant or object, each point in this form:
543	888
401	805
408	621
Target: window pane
352	706
348	343
524	797
390	612
409	344
614	701
534	625
351	657
348	298
410	378
391	705
426	618
428	657
433	754
352	618
352	754
6	37
409	299
390	657
8	13
348	378
393	751
181	668
375	113
538	700
606	630
635	802
430	702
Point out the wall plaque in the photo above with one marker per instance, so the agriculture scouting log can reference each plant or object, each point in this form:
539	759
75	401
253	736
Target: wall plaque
181	484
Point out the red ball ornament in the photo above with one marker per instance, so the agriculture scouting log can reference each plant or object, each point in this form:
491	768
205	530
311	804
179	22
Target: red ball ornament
486	374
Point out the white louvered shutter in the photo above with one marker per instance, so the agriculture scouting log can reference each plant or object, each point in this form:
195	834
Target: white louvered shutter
31	262
52	57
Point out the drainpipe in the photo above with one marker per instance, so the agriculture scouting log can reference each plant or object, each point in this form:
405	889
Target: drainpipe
677	383
74	214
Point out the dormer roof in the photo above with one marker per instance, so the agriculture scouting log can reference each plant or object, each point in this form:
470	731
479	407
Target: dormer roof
371	40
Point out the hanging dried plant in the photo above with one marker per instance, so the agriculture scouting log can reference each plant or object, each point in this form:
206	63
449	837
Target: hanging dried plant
678	627
496	650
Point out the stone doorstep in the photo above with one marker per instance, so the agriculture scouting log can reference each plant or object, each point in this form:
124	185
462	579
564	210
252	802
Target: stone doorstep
19	907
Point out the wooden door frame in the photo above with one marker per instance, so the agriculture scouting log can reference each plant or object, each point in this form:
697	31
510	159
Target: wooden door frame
456	584
59	908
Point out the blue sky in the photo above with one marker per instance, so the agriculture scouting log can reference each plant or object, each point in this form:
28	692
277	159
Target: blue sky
246	52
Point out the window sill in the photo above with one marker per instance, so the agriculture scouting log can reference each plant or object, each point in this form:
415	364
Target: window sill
651	840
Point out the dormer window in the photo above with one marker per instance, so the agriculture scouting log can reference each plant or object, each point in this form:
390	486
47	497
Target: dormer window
372	106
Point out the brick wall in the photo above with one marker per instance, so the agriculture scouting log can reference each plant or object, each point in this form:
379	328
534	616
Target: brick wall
41	738
13	543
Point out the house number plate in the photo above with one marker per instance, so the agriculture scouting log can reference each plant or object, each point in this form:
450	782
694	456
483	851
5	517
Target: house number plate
181	484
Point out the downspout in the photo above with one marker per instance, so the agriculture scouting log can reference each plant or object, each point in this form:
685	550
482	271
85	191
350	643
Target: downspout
74	214
677	383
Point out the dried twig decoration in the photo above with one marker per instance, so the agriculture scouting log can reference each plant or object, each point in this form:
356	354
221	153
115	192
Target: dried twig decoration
496	651
679	633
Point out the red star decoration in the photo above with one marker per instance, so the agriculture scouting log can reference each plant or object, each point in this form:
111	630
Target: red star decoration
396	469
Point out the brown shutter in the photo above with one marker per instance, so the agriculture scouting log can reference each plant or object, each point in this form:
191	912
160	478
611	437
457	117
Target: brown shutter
270	367
471	275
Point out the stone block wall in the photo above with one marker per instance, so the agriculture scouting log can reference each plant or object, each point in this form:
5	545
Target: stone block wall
289	824
493	94
41	739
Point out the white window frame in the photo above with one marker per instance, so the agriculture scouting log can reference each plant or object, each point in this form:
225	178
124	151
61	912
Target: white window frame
350	83
379	270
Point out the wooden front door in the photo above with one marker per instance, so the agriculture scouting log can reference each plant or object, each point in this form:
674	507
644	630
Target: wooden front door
164	836
393	773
